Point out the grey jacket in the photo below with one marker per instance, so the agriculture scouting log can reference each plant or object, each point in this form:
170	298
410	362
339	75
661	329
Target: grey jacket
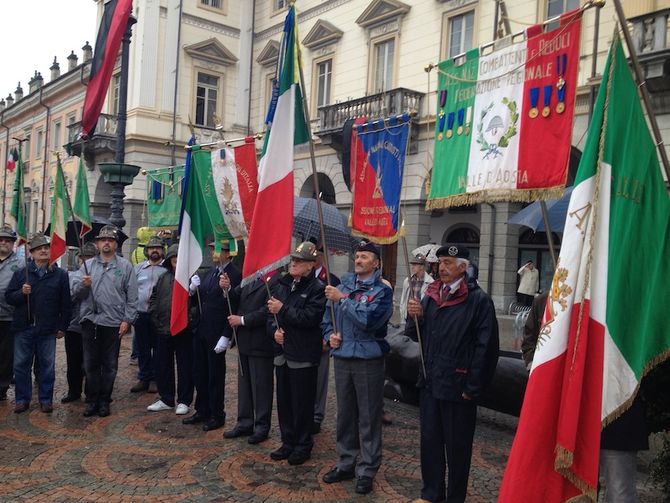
7	269
75	324
112	296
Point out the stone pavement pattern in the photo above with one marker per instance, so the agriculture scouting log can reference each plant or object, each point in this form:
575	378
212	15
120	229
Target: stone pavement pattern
138	456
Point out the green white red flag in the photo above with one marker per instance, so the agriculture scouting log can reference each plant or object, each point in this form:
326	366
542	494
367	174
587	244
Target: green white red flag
82	202
605	323
202	218
60	216
18	208
504	119
11	160
269	244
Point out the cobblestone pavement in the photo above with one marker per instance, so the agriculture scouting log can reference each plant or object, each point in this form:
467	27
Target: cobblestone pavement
138	456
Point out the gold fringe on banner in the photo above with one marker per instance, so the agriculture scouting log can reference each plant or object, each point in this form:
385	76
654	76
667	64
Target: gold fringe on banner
562	464
495	196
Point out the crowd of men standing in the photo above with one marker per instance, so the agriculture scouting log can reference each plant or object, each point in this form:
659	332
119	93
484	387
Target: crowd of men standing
286	326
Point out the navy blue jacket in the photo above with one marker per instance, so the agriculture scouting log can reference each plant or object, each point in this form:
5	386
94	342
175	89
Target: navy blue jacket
300	317
50	303
460	344
213	317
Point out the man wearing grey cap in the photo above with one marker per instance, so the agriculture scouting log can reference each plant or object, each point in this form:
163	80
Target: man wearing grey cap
459	334
9	263
108	297
363	304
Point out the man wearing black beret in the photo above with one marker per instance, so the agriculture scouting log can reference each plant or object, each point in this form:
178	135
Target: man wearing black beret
460	345
363	304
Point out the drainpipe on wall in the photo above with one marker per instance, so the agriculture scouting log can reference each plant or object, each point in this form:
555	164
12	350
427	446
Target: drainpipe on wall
173	151
251	64
4	177
46	160
492	244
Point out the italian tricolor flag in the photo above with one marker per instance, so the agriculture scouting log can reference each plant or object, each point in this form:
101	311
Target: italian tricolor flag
504	119
60	216
269	242
201	219
605	323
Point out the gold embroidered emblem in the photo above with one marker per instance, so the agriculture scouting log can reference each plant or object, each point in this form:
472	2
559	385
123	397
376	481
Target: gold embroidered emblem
560	290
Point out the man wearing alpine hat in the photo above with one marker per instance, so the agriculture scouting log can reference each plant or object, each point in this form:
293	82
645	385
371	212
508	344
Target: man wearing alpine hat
41	297
108	297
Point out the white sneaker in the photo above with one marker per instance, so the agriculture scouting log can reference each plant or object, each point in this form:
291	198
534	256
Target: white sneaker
158	405
182	409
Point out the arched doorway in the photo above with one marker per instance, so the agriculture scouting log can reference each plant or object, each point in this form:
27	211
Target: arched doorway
325	186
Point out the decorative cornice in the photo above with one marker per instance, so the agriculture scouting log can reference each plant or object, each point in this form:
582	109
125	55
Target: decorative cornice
381	11
211	50
269	54
303	16
208	25
322	33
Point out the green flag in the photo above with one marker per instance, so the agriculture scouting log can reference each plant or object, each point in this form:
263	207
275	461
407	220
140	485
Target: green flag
17	209
82	203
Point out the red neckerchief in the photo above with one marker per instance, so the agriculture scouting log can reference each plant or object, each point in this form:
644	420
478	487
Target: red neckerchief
460	295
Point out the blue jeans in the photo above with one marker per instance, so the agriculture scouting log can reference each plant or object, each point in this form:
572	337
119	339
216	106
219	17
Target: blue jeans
28	344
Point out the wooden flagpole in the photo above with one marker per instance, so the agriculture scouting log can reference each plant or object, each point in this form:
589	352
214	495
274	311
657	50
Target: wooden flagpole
315	179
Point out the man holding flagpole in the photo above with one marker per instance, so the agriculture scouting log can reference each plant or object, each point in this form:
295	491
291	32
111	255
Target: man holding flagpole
46	287
460	345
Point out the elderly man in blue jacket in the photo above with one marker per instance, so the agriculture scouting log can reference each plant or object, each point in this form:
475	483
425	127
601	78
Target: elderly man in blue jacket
363	304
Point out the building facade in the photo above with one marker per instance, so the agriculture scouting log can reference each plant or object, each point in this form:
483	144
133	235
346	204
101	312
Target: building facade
210	63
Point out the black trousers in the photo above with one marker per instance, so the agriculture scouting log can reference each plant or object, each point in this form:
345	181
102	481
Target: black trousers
209	373
254	394
170	348
6	354
446	428
74	354
101	360
296	389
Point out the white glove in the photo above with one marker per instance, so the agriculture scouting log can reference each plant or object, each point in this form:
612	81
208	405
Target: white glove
195	283
222	345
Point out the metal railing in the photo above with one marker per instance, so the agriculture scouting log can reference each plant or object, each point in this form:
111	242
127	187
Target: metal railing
385	104
106	126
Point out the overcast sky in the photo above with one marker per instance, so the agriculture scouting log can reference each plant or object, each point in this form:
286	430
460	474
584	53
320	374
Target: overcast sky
34	31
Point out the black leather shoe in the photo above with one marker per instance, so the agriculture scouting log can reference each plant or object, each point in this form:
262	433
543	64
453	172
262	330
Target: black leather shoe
298	457
20	407
316	428
194	419
213	424
364	485
47	407
257	438
104	411
70	398
337	475
237	432
282	453
91	409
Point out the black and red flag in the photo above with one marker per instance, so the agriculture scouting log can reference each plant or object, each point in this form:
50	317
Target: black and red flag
107	44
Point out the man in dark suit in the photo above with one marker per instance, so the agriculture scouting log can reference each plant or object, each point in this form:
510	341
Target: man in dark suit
211	339
254	377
